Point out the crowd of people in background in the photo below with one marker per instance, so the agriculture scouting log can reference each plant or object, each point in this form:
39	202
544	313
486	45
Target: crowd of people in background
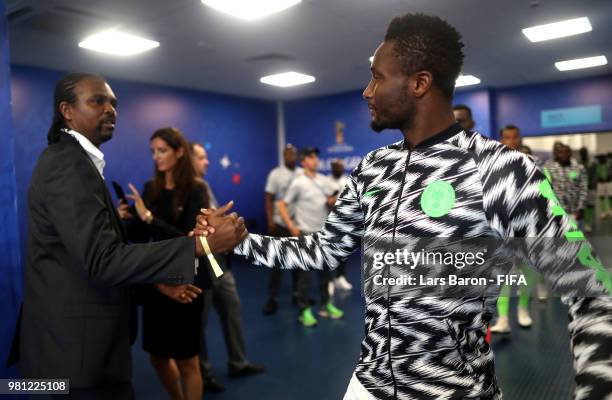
583	186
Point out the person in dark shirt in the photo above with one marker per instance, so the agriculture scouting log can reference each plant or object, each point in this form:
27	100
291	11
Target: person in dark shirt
169	202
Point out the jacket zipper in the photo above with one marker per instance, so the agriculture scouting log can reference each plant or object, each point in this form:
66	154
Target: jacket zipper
399	200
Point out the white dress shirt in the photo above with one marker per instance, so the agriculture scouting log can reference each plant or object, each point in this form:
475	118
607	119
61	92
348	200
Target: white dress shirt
94	153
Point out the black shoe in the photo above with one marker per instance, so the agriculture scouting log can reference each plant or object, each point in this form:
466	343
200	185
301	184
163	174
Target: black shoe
212	385
249	369
270	307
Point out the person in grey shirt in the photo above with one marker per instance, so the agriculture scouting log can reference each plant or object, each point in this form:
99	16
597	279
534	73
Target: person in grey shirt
223	295
277	183
311	194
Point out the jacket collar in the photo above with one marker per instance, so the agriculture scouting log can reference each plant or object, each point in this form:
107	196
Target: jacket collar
439	137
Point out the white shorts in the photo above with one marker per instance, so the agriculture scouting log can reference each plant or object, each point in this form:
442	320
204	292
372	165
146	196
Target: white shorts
356	391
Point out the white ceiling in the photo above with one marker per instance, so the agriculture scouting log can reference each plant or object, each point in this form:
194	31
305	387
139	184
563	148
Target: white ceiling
330	39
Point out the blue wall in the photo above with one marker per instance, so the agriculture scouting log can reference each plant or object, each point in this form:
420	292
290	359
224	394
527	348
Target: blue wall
10	276
312	122
522	106
479	101
242	129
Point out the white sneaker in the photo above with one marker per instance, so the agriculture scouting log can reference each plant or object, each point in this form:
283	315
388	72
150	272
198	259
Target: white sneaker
524	320
330	289
502	325
342	284
542	291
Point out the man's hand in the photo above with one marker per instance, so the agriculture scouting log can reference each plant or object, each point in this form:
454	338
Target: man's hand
228	230
182	293
272	227
294	231
331	200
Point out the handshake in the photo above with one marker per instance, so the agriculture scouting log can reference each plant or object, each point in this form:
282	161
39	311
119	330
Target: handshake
222	231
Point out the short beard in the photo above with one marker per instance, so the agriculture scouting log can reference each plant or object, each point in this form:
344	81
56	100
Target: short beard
377	127
102	135
403	122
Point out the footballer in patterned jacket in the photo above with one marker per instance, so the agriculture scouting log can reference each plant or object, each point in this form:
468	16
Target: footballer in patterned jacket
435	348
444	181
568	179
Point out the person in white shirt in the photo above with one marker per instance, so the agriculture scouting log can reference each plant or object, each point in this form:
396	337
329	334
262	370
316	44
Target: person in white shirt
277	183
312	196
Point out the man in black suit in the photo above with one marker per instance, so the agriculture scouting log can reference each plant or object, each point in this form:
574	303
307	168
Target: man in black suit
76	314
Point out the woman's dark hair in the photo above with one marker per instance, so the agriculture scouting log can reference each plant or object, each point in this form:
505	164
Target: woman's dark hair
184	173
64	91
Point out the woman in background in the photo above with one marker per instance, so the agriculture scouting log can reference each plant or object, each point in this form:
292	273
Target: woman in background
172	319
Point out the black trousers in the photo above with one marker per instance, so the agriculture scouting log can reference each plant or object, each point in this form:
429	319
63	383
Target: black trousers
341	270
303	287
276	274
223	296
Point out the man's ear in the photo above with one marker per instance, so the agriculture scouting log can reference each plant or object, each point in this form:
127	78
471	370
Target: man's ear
421	83
65	110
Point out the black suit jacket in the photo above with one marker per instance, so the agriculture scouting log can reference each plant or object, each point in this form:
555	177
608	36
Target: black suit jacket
76	309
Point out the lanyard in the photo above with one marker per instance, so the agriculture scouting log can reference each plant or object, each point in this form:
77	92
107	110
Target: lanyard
317	185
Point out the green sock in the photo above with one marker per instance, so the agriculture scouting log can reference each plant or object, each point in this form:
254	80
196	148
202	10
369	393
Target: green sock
588	215
503	301
525	292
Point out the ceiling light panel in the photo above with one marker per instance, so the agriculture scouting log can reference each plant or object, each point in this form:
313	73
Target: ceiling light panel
118	43
287	79
580	63
466	80
249	10
557	30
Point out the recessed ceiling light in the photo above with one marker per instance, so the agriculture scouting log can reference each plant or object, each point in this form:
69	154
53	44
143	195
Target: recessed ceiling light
287	79
118	43
466	80
558	29
580	63
249	9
